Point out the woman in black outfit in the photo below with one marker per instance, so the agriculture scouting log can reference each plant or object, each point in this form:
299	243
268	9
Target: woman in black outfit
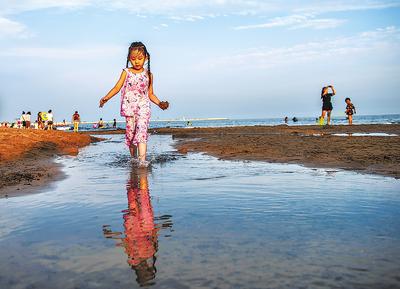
326	102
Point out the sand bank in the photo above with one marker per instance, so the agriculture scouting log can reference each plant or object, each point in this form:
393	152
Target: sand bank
26	157
312	146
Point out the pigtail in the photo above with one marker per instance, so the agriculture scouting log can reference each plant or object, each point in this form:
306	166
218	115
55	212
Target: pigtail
148	68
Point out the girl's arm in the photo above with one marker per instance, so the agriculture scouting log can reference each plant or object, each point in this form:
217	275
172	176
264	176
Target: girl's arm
333	90
152	96
115	89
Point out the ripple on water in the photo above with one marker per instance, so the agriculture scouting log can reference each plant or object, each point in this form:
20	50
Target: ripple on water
195	221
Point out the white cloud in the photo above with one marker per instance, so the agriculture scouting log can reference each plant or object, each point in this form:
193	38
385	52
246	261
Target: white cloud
306	16
343	6
276	22
12	28
297	21
190	18
64	53
311	51
199	7
14	7
323	23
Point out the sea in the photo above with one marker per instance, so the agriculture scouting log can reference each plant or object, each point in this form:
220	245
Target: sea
226	122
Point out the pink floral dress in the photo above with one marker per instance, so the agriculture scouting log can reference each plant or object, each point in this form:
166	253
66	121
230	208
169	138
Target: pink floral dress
135	107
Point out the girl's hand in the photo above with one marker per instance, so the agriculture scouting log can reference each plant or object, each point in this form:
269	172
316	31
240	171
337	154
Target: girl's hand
164	105
102	101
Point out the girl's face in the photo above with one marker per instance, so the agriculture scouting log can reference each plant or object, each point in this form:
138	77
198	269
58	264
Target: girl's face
137	59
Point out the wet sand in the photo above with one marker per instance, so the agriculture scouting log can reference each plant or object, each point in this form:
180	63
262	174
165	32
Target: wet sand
312	146
27	158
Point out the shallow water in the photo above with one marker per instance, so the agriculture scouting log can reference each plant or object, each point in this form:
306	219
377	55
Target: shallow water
197	222
365	134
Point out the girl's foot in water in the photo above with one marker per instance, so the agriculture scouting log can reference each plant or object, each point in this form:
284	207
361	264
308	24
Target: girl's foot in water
143	164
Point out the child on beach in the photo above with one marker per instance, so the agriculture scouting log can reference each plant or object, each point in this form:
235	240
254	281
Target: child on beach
137	92
50	120
40	120
350	110
23	119
28	119
326	103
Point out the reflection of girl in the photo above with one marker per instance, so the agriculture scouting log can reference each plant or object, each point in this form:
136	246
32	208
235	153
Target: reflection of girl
140	241
141	236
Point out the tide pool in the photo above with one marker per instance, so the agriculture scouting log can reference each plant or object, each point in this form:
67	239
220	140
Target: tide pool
193	221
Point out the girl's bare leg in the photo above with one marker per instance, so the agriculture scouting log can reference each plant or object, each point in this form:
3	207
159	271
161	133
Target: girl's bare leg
329	117
350	119
133	151
142	151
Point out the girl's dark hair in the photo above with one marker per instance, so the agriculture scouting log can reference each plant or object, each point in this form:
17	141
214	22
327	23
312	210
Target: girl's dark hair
322	91
347	99
142	48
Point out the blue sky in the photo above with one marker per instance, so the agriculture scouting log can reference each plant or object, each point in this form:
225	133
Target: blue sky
210	58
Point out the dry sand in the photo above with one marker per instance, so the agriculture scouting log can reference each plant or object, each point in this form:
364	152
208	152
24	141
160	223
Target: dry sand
312	146
26	157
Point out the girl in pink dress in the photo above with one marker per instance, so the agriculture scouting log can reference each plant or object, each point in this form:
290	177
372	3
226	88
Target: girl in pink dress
136	85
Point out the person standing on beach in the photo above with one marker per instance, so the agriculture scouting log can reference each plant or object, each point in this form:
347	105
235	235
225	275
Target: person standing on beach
40	120
28	119
22	119
136	94
350	110
76	119
115	123
327	103
50	120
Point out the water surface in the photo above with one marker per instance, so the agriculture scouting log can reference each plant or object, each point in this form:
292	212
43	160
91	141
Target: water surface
197	222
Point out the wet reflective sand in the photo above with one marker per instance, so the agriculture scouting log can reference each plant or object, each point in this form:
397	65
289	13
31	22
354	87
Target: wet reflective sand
196	222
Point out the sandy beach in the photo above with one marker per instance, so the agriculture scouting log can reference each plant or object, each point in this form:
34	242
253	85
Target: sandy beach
332	147
26	157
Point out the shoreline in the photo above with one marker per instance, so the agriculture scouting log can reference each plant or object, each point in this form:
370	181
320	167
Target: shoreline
27	158
311	146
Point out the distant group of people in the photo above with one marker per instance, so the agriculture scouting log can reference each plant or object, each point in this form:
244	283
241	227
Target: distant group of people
76	119
44	120
102	124
294	119
327	106
25	119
